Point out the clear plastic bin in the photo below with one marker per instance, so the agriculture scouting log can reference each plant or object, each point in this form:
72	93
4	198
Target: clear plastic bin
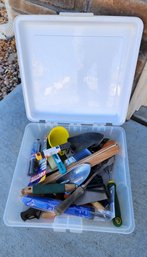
61	223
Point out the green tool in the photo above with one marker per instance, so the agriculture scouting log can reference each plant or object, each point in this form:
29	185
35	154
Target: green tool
117	220
109	183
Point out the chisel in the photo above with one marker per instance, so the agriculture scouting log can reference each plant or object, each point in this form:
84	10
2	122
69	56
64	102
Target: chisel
109	149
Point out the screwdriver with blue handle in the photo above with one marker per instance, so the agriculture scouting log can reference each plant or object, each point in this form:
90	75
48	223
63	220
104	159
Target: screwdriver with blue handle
112	189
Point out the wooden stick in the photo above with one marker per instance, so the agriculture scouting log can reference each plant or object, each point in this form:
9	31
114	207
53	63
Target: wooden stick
48	215
98	206
110	149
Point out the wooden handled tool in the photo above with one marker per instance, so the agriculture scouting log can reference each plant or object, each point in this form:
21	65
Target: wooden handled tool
98	206
32	213
109	149
48	189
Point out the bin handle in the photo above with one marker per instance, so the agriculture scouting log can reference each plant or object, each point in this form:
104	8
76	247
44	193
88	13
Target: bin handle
76	14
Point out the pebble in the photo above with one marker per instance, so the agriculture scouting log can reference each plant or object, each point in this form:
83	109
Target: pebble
1	70
3	89
12	57
3	15
6	82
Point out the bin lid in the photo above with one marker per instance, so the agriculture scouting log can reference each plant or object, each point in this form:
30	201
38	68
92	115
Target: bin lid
77	68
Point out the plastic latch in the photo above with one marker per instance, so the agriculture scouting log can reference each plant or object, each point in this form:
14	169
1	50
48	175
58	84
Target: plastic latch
60	223
71	223
77	14
75	224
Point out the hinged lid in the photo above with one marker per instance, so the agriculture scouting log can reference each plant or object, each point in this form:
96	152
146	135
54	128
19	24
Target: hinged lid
77	68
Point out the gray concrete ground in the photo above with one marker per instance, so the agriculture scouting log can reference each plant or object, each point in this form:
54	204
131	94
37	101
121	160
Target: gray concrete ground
24	242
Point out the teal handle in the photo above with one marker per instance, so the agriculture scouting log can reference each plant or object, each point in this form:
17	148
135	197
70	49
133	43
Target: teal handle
48	189
117	220
59	163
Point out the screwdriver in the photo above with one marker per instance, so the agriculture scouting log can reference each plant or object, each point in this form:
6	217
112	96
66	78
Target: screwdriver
117	220
111	186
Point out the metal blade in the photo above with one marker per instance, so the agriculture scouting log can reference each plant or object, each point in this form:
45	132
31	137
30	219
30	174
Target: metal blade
77	175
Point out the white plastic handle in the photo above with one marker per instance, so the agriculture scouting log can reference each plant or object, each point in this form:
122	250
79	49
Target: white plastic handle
76	14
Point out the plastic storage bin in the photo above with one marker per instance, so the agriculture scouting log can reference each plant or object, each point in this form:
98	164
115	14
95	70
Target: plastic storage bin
77	71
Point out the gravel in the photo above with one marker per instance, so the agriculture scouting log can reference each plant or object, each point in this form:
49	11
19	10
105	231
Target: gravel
3	15
9	69
3	12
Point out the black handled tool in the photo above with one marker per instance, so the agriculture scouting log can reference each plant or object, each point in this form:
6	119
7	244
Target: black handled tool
85	140
32	213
